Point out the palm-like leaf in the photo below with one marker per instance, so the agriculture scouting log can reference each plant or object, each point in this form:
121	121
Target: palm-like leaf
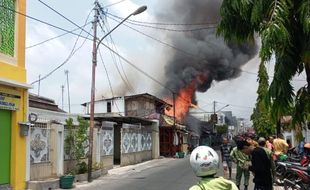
304	15
284	28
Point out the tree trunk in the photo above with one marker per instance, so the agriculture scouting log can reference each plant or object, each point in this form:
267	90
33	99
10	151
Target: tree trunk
307	68
278	128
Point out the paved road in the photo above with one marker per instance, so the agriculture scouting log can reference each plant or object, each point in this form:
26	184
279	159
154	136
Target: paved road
172	174
168	173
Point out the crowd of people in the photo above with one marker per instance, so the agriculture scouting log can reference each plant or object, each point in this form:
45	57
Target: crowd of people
250	154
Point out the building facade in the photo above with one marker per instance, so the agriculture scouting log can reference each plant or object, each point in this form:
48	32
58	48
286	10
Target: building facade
13	95
134	136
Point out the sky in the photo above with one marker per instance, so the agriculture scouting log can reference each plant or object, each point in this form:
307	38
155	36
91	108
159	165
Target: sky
144	52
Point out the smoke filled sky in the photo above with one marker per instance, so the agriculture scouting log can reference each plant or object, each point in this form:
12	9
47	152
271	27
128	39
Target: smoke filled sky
156	59
208	54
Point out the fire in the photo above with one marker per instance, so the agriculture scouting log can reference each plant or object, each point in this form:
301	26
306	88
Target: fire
183	101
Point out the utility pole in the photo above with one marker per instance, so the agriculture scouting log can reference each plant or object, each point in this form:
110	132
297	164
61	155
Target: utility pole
39	85
62	96
174	120
67	73
214	105
92	96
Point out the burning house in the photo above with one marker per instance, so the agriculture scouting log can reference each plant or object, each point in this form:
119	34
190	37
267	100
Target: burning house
201	57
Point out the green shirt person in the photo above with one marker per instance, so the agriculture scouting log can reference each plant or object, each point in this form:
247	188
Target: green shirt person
218	183
205	163
243	162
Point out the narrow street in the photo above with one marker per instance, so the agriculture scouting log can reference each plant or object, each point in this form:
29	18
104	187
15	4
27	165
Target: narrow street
172	174
167	173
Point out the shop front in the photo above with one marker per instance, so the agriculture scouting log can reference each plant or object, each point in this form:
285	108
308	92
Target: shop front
13	112
13	96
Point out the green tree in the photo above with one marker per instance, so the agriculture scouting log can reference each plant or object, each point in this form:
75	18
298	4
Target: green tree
221	129
284	30
76	142
262	122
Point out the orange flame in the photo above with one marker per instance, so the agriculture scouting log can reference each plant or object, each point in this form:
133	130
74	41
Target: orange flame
183	101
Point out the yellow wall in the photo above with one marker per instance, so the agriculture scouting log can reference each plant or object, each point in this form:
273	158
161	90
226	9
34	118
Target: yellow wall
16	71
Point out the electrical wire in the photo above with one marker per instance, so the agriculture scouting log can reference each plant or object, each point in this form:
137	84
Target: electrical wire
126	80
43	22
53	38
114	4
149	76
171	29
130	88
155	39
183	51
51	8
166	24
271	76
73	51
235	105
110	84
144	73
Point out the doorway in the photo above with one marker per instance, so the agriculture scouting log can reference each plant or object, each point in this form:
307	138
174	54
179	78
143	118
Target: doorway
5	146
117	145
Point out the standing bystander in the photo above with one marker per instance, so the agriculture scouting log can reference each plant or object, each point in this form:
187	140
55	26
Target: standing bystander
226	148
261	165
243	162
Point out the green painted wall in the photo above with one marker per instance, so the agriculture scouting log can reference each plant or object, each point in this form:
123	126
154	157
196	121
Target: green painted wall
5	146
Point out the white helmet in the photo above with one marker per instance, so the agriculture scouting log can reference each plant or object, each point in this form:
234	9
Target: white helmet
204	161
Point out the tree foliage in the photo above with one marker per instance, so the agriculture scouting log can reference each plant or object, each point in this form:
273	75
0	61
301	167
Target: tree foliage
261	116
221	129
284	29
76	142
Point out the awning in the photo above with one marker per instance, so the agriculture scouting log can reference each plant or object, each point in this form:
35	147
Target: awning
169	122
122	119
13	83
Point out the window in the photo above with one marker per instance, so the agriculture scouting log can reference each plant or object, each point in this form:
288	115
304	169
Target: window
7	27
109	107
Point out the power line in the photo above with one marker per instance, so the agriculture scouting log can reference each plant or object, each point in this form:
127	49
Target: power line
66	17
137	68
235	105
183	51
73	51
166	24
110	84
126	81
271	76
155	39
53	38
146	74
114	4
171	29
43	22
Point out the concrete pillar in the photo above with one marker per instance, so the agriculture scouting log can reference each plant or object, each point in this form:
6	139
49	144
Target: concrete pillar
57	145
98	141
155	139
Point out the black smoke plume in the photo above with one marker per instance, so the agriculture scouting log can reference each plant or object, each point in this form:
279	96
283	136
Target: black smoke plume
206	53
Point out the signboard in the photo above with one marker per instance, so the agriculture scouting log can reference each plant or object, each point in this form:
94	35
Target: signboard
9	101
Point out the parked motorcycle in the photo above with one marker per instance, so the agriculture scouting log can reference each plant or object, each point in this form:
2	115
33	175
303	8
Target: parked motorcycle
297	177
282	167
